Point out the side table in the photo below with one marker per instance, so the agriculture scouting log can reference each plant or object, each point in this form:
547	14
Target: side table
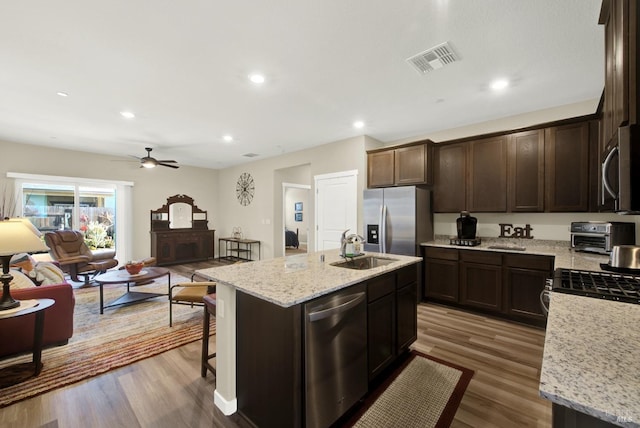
20	372
241	247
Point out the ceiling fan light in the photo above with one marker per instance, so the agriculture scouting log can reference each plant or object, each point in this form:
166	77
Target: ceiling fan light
148	163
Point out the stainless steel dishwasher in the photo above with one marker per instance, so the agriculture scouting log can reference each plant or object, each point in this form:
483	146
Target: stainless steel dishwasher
335	355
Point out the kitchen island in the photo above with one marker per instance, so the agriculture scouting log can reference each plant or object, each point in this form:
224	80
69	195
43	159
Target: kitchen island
277	290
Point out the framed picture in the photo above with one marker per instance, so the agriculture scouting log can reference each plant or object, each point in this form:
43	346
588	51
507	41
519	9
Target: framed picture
298	217
298	206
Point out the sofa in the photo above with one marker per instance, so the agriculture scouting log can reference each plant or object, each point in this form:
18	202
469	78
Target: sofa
16	334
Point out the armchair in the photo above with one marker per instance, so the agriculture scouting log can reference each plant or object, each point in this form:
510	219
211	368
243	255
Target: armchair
67	247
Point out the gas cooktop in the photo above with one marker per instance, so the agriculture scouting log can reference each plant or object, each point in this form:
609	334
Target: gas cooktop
609	286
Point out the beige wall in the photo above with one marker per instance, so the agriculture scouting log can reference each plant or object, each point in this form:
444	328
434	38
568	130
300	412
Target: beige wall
151	187
263	218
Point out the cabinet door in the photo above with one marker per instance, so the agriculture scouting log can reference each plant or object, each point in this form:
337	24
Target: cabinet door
410	165
567	167
619	20
481	285
407	316
526	171
522	292
449	181
381	328
165	249
441	279
487	182
380	168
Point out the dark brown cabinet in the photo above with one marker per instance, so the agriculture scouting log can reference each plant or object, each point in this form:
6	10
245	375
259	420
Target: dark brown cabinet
380	168
497	283
392	316
400	166
487	183
450	178
381	314
525	181
524	280
441	273
182	246
567	167
619	107
481	279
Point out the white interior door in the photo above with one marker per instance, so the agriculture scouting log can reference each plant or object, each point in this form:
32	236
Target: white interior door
336	207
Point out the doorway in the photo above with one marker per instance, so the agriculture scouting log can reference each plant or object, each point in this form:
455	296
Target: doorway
295	198
336	207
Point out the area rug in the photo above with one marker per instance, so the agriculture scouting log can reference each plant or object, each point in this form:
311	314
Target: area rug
423	392
121	336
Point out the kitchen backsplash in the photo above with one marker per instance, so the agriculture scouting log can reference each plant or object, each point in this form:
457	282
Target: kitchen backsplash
545	226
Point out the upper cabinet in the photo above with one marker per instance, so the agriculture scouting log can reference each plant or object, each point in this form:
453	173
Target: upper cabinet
619	107
400	166
487	184
539	170
526	171
450	178
567	167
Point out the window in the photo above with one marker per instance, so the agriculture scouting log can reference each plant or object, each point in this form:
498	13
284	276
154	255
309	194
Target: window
95	207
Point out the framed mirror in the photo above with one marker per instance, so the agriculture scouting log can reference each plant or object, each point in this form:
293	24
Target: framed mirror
179	213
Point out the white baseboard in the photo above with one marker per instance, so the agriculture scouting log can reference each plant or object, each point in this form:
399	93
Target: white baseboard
228	407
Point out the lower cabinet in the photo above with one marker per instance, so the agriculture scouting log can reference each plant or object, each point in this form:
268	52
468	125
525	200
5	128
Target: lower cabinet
497	283
181	245
392	316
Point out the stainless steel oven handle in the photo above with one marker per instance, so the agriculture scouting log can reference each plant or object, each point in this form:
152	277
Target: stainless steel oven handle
605	169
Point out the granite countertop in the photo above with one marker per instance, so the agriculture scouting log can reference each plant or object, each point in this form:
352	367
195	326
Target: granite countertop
591	359
288	281
565	257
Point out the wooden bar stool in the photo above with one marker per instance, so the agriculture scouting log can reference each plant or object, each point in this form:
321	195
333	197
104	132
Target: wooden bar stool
209	310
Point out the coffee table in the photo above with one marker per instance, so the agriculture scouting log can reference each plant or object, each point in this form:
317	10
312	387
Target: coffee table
20	372
122	277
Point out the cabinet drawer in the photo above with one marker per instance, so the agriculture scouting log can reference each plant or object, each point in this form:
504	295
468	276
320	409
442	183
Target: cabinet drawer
441	253
380	286
483	257
529	261
406	276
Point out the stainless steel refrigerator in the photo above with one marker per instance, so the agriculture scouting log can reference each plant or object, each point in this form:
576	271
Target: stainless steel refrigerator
397	219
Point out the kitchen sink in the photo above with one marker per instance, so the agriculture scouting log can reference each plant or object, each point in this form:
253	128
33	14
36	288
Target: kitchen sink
363	263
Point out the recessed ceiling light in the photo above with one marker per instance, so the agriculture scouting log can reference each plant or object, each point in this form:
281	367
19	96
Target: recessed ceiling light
358	124
127	114
227	138
499	84
257	78
62	94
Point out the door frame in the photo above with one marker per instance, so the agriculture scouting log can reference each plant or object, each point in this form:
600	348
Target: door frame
286	186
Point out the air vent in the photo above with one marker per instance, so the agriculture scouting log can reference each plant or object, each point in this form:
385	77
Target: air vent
434	58
250	155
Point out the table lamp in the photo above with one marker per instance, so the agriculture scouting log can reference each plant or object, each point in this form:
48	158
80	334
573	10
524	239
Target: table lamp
15	237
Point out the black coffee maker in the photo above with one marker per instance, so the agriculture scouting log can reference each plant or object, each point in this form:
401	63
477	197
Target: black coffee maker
466	225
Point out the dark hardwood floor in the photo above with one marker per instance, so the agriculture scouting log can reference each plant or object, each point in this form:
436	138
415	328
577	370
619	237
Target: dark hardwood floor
167	390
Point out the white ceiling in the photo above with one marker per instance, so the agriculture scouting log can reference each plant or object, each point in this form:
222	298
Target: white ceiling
182	67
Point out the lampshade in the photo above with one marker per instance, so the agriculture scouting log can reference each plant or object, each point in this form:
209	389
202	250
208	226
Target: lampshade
16	237
27	223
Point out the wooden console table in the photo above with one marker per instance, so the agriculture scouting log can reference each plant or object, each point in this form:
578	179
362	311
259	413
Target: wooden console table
242	248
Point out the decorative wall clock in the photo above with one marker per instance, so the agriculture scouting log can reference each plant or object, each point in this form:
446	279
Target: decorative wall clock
245	189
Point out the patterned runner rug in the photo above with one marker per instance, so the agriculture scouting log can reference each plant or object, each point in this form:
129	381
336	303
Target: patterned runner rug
423	392
121	336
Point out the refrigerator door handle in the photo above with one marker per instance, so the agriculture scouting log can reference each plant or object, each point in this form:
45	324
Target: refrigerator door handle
383	226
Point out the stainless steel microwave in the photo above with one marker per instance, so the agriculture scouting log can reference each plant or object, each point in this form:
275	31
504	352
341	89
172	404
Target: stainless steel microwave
621	171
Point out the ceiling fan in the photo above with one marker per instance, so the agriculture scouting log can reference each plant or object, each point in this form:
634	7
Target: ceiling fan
149	162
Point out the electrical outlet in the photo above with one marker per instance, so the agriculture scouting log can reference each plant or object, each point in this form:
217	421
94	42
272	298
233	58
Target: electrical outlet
220	308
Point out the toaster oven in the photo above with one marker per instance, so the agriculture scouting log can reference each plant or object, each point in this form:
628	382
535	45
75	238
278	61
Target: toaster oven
601	236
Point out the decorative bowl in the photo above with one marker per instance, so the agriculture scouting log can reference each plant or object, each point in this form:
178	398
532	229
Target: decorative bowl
134	268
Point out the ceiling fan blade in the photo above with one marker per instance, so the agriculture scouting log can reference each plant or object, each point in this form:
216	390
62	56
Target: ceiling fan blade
168	165
167	161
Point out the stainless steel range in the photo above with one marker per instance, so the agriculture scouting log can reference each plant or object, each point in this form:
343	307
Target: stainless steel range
602	285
